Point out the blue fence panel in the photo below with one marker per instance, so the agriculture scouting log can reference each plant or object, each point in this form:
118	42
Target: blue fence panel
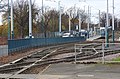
50	41
20	44
16	45
37	42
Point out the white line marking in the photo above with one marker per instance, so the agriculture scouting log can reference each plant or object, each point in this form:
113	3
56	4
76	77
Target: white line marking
45	69
85	75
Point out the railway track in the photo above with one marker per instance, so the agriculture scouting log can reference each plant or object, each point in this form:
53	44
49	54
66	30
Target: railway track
23	64
43	58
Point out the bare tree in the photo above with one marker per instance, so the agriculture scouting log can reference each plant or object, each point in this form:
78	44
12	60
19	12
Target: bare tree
83	16
53	23
74	14
3	5
103	19
47	19
21	17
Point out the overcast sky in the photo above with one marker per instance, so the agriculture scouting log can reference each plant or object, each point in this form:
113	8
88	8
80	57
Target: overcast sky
95	5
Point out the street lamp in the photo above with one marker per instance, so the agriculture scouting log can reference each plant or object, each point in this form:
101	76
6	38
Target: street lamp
113	24
106	27
69	13
99	19
60	28
69	21
88	19
79	21
12	26
42	20
30	19
8	20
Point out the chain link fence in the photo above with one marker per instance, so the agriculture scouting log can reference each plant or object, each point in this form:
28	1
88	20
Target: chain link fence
97	52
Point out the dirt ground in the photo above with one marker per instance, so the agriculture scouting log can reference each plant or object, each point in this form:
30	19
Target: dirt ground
14	56
3	40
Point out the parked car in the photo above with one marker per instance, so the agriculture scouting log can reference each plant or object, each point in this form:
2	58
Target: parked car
67	35
26	37
83	33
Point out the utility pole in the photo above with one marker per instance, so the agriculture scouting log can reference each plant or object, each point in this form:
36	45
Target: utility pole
69	21
99	19
42	22
88	24
12	25
89	14
113	37
79	22
8	21
90	20
42	8
60	28
106	27
30	19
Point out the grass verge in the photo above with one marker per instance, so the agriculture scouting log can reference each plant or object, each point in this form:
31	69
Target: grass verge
116	59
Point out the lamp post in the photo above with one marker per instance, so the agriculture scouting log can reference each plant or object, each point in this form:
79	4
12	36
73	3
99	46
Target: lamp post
113	23
42	22
99	19
60	28
30	19
12	26
88	24
106	27
79	22
8	21
69	12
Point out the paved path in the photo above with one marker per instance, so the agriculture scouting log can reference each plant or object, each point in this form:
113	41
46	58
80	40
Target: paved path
93	38
81	71
73	71
24	76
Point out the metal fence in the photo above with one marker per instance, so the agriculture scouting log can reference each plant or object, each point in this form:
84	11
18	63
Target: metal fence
48	35
3	50
20	44
97	52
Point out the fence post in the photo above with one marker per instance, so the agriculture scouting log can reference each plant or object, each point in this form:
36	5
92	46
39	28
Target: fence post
75	54
81	50
103	54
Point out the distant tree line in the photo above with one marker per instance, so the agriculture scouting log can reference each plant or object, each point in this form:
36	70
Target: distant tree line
48	22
